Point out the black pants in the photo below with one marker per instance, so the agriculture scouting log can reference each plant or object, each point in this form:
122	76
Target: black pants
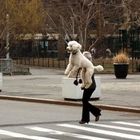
87	107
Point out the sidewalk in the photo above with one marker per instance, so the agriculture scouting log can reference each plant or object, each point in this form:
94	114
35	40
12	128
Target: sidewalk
45	86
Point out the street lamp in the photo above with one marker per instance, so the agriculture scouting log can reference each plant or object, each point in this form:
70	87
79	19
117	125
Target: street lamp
7	36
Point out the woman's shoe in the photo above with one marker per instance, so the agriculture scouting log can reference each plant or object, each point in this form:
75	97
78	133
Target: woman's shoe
83	122
97	118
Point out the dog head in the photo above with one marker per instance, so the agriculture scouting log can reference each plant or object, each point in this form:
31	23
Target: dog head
73	47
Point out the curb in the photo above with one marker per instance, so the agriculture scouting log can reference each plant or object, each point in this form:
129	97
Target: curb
69	103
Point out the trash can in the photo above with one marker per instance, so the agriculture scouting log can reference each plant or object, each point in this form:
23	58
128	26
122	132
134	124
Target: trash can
6	66
73	92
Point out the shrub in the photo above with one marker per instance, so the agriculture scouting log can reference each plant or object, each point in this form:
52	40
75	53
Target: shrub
121	58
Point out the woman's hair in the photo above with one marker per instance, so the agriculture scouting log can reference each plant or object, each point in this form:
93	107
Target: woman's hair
87	55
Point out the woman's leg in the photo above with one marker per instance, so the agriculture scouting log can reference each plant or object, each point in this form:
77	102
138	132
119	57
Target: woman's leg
94	110
86	108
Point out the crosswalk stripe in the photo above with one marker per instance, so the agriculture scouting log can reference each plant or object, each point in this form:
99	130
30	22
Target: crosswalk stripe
100	131
19	135
115	127
127	123
55	132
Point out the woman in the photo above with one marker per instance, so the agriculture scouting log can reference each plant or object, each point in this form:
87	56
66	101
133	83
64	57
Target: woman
87	107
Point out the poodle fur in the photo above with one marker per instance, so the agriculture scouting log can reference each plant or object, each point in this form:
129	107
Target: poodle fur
78	60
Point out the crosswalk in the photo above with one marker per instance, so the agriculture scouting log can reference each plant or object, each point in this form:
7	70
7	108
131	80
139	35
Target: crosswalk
103	130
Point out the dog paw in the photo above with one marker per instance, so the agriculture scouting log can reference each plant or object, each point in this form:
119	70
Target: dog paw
66	72
82	86
87	86
69	76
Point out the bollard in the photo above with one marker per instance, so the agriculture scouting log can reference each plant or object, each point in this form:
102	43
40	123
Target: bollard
1	81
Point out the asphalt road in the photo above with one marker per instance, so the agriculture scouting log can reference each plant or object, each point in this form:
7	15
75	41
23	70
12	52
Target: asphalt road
22	120
47	84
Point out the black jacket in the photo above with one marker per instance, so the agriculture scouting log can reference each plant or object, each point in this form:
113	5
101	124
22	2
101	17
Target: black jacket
93	85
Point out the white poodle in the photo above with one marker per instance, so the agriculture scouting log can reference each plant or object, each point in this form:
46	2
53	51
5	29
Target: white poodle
78	60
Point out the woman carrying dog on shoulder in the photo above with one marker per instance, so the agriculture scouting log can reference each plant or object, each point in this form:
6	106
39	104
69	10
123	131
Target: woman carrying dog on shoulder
87	107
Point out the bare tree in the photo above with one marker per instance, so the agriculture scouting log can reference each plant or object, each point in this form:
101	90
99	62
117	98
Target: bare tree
75	19
99	17
24	17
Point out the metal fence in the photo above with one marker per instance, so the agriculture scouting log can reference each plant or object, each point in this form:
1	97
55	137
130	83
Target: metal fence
42	62
8	66
134	65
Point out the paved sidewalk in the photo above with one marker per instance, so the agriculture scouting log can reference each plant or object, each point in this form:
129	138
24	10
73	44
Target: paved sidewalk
45	85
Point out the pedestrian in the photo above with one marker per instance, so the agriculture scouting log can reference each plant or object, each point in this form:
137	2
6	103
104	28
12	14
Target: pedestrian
86	106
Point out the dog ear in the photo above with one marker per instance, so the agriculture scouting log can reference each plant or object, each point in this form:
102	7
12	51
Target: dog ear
80	47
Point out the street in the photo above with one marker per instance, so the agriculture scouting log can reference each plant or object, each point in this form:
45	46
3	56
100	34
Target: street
47	84
53	52
34	121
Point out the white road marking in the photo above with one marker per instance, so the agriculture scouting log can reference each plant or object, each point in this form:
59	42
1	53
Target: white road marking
100	131
19	135
127	123
115	127
55	132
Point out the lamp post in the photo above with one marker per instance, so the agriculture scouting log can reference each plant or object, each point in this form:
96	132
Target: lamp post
7	62
7	36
